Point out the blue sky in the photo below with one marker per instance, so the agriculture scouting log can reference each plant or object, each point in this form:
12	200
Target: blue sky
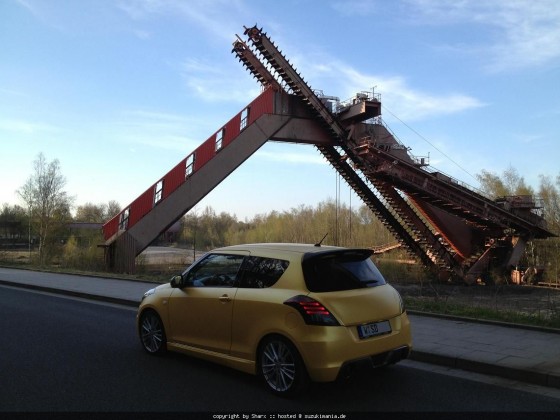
119	91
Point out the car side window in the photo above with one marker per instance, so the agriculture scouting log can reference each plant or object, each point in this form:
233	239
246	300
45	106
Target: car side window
216	270
260	272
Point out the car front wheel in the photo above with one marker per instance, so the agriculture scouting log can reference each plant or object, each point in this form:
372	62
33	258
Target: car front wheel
152	333
281	367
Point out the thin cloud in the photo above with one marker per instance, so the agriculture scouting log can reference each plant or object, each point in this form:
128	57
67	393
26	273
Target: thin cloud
159	130
140	9
403	100
25	127
412	104
181	144
213	83
524	33
292	158
211	15
140	34
532	139
71	17
27	5
354	7
39	12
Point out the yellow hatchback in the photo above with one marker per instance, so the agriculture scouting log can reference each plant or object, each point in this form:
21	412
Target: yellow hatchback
289	313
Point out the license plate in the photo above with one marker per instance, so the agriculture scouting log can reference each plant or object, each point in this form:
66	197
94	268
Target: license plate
373	329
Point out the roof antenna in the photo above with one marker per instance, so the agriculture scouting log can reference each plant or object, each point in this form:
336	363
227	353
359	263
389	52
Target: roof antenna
321	241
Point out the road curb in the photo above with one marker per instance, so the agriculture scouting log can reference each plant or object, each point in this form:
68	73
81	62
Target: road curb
521	375
73	293
485	321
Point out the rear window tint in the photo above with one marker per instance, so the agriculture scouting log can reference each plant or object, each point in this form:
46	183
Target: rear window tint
341	270
260	272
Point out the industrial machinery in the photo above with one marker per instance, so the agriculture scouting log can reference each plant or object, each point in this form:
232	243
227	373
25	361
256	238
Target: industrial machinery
448	226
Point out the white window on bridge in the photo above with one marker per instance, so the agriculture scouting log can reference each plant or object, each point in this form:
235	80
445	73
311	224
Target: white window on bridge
123	219
158	192
189	166
244	118
219	139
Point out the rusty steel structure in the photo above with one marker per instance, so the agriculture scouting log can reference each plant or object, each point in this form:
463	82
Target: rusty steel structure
446	225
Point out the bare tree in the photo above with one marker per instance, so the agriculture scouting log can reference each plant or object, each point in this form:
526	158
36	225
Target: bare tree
548	250
112	208
48	204
550	194
510	183
89	212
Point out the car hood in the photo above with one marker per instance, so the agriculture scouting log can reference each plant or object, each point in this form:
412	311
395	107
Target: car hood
164	289
353	307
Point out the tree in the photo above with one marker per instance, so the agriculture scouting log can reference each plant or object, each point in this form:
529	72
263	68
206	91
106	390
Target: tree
47	203
547	251
112	208
13	225
540	252
511	183
96	213
91	213
550	196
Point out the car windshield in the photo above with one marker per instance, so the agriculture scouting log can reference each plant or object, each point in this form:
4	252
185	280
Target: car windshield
340	270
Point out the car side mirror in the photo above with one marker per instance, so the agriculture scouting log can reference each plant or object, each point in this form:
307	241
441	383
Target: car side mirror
176	281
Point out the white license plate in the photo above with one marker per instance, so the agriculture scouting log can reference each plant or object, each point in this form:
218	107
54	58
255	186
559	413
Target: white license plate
373	329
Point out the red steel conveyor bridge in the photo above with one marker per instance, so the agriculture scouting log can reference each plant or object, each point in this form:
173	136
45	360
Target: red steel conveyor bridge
446	225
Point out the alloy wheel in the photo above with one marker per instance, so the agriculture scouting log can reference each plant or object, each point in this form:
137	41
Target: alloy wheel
152	333
281	367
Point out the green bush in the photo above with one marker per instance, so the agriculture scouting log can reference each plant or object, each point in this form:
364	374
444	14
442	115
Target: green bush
88	257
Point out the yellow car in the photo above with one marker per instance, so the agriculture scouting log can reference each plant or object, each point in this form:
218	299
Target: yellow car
289	313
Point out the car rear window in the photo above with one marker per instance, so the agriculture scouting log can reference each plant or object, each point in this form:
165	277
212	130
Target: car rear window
340	270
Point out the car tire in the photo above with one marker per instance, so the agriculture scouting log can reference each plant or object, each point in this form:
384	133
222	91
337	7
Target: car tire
281	367
152	333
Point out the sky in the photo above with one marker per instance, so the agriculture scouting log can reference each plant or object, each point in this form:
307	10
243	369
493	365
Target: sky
120	91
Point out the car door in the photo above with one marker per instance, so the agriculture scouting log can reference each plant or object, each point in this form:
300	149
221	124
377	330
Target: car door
258	309
200	312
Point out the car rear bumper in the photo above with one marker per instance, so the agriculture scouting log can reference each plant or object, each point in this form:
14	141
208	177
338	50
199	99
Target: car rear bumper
383	359
330	352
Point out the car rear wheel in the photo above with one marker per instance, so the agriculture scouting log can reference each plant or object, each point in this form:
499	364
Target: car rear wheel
281	367
152	333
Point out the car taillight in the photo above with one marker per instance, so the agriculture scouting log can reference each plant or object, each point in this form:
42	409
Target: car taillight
313	312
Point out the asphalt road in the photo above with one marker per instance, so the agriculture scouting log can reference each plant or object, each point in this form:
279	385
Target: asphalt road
62	354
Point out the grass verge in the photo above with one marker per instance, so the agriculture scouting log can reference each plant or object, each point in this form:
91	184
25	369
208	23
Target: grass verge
480	313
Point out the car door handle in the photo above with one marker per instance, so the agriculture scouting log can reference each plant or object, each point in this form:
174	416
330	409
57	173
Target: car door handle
225	298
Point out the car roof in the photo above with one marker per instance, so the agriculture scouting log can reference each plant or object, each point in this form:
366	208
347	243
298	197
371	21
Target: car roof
293	247
280	250
266	249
